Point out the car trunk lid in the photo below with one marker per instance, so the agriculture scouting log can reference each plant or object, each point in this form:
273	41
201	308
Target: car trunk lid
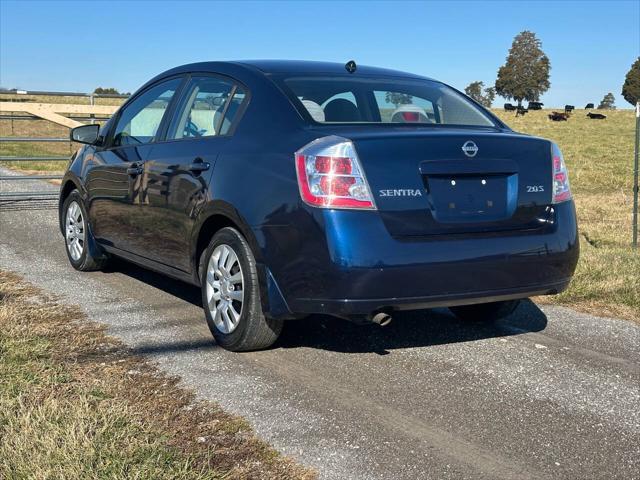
425	183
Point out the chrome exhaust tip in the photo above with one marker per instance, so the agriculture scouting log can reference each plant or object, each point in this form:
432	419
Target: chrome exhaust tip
381	318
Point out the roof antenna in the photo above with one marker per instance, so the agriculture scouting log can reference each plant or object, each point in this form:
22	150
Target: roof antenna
351	66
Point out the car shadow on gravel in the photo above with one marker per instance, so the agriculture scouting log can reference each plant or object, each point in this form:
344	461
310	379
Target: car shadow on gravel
177	288
422	328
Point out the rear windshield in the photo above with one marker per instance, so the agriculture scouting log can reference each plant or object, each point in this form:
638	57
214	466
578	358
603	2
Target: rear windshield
378	100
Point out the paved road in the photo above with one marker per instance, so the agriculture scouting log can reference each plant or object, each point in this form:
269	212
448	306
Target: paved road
545	393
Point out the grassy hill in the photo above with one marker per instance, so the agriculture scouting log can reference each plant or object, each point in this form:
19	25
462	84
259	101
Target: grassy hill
599	155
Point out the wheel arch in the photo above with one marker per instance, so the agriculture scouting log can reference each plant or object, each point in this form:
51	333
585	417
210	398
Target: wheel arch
225	215
69	184
216	217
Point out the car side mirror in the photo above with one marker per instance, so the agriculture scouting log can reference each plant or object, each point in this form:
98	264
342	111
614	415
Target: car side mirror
85	134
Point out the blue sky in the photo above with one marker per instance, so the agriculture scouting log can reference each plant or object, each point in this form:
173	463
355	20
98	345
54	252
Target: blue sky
77	46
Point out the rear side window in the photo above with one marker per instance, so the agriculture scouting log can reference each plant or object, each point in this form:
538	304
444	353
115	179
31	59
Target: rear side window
350	99
210	106
232	110
140	120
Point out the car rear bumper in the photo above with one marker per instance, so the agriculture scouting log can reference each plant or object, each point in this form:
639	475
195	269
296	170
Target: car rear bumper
345	263
348	307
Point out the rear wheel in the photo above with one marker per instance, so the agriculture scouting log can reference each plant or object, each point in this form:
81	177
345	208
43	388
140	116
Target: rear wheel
485	312
231	295
77	235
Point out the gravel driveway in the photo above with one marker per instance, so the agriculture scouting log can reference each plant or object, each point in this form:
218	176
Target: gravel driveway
545	393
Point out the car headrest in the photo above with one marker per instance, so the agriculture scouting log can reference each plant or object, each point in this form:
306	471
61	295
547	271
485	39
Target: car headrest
341	110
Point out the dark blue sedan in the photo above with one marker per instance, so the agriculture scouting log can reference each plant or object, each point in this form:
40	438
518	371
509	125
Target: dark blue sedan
285	189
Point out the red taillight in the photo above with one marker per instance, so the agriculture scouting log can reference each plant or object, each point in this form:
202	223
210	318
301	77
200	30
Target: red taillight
326	164
337	186
330	175
410	116
561	189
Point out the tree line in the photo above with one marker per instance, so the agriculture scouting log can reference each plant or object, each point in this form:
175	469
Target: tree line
525	76
109	91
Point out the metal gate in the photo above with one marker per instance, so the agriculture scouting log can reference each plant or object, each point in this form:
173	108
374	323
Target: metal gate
33	194
36	190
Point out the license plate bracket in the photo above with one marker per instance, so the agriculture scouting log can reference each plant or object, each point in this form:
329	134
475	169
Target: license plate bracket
472	198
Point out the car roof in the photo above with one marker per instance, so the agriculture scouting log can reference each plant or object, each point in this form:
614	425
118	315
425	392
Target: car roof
311	67
287	67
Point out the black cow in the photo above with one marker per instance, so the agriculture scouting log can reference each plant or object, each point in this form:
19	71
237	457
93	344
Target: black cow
521	111
509	108
559	116
569	108
596	116
589	105
535	106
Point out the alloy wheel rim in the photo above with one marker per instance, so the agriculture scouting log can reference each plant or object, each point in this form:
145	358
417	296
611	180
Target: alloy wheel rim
225	288
75	232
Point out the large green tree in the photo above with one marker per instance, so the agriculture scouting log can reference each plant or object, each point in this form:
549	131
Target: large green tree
398	99
475	91
608	102
525	74
631	87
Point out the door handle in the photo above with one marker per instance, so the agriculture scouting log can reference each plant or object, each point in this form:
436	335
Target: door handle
198	166
135	169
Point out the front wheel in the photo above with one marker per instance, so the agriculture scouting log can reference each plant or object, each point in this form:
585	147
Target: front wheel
77	235
485	312
231	295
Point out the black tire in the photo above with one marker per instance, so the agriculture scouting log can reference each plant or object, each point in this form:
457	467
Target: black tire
252	331
85	262
485	312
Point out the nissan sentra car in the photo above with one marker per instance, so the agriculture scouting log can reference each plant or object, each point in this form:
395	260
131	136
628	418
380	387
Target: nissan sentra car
284	189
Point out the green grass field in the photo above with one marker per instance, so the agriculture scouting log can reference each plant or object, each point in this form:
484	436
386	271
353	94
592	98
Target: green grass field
599	154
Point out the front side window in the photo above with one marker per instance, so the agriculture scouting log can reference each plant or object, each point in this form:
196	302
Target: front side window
140	120
209	109
349	99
